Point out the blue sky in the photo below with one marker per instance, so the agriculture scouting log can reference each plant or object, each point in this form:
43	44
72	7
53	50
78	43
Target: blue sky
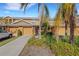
13	10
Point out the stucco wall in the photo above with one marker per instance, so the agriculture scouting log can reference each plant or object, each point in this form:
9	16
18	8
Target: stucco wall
24	30
61	31
13	30
77	31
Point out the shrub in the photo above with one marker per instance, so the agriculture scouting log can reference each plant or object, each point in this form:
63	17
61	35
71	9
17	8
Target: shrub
64	49
50	39
60	48
65	39
37	42
77	41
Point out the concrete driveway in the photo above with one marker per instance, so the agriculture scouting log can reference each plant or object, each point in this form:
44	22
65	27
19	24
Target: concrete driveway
15	47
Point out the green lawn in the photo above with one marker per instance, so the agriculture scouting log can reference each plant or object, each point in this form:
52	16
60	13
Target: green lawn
6	41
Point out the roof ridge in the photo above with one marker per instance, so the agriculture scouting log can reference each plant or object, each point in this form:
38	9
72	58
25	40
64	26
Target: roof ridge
21	20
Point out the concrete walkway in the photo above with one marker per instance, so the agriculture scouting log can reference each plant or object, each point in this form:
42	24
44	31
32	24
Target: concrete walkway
15	47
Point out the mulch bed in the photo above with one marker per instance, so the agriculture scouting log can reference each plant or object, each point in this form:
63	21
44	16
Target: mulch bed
35	51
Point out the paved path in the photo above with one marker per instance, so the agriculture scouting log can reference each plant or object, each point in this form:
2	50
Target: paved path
15	47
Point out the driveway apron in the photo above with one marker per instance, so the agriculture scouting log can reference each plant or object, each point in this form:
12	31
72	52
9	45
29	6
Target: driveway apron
15	47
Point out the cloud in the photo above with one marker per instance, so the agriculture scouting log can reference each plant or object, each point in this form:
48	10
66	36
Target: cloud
12	6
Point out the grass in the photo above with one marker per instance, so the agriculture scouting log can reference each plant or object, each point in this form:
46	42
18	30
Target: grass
60	48
7	41
37	42
64	49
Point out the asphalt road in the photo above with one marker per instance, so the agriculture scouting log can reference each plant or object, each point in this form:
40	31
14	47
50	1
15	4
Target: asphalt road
15	47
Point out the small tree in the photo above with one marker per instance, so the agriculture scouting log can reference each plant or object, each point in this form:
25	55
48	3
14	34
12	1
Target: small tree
45	25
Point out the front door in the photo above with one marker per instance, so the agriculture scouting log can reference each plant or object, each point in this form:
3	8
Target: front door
20	31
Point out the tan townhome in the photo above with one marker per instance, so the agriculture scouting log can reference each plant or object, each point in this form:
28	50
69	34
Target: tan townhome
30	26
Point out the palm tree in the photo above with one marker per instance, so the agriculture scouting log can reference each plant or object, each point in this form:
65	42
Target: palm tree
72	22
66	10
42	10
65	17
57	23
69	15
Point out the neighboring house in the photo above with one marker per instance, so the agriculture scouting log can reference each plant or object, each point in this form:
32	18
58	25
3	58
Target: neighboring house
61	29
27	26
30	26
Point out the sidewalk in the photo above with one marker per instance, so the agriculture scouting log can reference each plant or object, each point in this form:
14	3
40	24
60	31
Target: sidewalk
15	47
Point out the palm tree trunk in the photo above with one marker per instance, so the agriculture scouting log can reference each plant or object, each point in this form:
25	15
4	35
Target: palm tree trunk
65	28
40	18
72	29
39	31
39	27
57	34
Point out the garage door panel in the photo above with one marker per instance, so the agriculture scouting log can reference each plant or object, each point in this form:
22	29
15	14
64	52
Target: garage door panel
28	31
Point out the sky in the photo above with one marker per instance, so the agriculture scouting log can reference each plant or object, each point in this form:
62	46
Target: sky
13	10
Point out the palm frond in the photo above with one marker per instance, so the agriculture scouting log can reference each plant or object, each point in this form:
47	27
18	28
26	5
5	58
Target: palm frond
58	18
39	4
23	6
46	11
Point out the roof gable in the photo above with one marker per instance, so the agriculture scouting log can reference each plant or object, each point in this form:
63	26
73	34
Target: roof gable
22	23
1	22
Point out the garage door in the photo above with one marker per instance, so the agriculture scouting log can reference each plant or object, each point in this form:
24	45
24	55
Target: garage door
28	31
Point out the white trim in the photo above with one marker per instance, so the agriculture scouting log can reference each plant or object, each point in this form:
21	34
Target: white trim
1	22
8	17
21	20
